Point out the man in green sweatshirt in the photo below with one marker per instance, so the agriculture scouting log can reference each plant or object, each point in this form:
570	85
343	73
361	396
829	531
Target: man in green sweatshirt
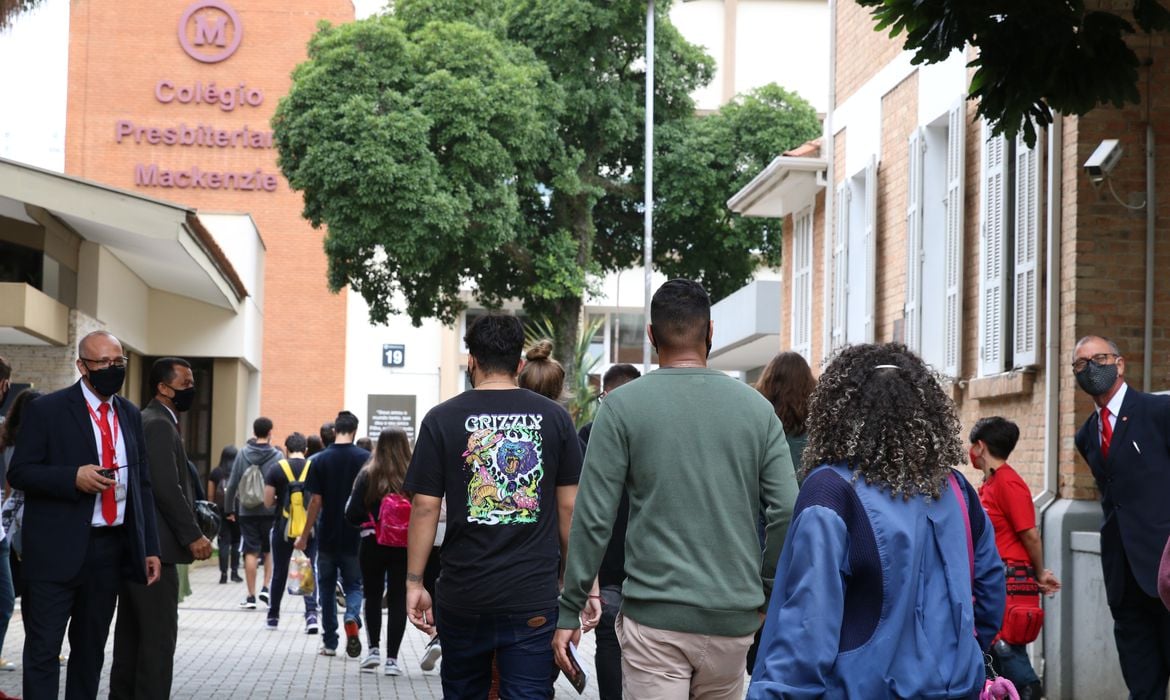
698	452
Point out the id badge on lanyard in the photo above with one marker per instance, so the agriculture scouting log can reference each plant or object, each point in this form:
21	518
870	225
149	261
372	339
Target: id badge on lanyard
119	487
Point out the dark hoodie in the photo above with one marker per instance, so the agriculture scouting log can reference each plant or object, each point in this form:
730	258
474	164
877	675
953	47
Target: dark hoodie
262	455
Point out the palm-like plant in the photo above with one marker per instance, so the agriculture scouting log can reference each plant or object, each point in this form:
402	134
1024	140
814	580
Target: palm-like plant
580	394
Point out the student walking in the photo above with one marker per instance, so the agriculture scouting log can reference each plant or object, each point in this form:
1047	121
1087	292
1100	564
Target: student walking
379	506
889	585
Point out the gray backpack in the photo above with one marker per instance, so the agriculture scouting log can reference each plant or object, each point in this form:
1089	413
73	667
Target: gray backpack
252	487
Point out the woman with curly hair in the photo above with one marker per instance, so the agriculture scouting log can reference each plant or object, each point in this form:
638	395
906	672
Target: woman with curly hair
889	584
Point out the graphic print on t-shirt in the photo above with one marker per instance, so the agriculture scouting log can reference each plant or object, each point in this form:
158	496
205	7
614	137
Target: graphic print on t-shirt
504	459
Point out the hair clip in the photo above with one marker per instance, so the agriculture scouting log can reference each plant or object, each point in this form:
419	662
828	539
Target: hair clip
886	367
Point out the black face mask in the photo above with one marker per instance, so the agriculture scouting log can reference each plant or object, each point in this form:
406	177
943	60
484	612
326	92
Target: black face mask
183	398
1097	379
108	381
470	378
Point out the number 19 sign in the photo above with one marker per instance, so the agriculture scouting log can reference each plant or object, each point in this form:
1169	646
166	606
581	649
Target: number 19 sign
393	355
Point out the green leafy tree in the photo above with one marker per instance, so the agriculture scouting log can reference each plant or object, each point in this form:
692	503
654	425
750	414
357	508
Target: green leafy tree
10	9
1035	56
498	145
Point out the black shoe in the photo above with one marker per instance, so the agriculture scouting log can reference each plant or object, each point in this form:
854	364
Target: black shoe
264	595
223	577
236	578
1032	691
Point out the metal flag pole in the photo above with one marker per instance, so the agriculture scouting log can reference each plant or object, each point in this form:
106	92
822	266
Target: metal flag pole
648	240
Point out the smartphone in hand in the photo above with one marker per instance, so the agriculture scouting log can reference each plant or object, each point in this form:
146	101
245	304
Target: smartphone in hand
579	677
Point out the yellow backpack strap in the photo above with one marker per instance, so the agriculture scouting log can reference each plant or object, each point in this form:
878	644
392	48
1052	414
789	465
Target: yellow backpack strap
304	472
287	470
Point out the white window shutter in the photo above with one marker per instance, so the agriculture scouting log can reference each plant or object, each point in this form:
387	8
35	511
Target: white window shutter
840	268
992	263
802	284
870	290
1026	287
953	233
913	309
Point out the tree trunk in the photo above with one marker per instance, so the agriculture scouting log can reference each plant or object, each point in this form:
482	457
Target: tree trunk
566	323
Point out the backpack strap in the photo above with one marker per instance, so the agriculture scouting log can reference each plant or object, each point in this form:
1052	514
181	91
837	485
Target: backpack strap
966	521
284	465
304	472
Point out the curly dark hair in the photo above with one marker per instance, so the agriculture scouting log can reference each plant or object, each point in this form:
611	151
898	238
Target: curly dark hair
882	412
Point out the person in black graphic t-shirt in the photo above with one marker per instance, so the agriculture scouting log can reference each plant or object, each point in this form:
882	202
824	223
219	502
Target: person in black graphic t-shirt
507	460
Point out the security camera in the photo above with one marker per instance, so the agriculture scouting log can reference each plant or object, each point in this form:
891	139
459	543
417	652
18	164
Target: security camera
1103	160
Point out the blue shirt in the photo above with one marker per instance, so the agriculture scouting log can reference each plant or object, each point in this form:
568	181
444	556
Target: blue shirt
331	477
873	595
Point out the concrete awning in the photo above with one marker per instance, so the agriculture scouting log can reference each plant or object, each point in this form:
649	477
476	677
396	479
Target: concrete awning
747	327
164	244
788	184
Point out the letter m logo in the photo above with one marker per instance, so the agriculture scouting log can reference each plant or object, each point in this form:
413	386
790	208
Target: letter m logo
213	32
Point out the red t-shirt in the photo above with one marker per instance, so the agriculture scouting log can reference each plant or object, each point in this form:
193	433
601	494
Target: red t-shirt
1008	502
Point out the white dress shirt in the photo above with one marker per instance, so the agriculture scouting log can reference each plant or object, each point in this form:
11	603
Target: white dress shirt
1114	407
120	475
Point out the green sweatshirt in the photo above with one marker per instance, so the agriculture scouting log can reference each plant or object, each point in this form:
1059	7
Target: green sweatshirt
698	451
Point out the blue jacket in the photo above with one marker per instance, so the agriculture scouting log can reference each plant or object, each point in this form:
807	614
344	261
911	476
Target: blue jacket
873	596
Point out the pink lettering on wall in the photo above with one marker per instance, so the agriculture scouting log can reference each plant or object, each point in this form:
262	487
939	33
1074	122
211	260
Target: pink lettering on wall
198	135
196	178
166	92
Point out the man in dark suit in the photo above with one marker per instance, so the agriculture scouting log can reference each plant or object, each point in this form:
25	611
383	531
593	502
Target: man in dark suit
148	616
1126	442
88	518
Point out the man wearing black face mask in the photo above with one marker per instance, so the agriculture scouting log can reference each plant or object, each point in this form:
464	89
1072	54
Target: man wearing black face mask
89	518
1126	443
148	616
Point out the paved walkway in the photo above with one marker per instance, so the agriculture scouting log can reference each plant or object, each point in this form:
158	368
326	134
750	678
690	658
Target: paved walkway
225	652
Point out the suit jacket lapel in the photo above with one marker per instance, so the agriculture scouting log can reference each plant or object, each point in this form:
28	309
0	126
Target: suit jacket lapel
80	413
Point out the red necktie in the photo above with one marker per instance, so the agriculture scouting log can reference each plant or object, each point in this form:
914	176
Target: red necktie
1106	432
109	503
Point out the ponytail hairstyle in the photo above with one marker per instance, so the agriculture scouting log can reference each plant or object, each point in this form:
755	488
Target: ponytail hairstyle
542	373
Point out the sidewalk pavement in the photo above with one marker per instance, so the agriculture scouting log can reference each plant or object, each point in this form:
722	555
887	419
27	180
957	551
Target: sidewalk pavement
226	652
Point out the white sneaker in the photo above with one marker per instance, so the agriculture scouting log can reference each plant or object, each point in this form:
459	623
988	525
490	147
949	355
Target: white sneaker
430	655
391	668
372	660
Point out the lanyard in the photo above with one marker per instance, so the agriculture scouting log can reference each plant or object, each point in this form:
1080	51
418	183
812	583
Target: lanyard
114	432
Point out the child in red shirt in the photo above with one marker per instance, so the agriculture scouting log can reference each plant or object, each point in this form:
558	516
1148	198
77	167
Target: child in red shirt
1008	503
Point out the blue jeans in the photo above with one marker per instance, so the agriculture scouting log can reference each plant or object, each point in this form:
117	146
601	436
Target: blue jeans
608	658
1011	661
329	566
7	592
521	643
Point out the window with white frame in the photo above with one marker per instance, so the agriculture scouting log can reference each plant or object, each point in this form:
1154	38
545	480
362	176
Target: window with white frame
802	242
1010	224
934	241
853	267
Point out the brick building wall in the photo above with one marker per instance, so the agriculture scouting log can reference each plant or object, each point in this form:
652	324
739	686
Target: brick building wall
118	55
899	118
860	52
1106	263
49	367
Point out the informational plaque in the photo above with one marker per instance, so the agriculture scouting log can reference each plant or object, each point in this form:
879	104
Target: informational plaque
391	411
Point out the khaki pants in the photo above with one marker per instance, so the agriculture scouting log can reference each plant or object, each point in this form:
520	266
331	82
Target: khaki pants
661	664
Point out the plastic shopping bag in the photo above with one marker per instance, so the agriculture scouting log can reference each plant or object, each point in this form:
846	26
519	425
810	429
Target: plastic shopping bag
300	575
